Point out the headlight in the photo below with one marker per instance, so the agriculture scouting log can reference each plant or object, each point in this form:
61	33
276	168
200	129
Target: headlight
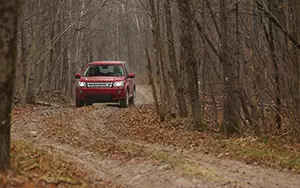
119	84
82	84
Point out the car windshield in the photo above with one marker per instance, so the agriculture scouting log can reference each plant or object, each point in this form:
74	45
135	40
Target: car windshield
104	70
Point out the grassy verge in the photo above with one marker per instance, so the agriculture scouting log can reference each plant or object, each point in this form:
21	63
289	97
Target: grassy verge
270	153
143	124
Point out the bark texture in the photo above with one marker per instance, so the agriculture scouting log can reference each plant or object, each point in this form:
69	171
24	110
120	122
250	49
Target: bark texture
8	26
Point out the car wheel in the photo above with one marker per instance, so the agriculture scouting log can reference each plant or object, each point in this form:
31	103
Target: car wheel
132	99
88	103
79	103
125	102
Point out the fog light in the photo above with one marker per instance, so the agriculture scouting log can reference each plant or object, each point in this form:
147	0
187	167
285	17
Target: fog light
119	91
80	91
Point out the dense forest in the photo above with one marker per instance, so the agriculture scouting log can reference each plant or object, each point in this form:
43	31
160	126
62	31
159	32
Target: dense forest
233	62
228	66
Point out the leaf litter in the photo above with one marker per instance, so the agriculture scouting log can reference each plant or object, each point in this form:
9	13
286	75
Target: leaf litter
132	148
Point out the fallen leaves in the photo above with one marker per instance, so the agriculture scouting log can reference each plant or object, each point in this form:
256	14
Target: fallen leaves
131	136
30	165
58	180
36	168
143	124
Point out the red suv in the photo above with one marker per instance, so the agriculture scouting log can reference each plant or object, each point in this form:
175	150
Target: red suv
106	81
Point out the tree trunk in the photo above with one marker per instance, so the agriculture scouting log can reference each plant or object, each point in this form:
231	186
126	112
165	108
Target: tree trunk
183	111
157	51
30	84
189	58
27	44
151	81
231	107
8	22
270	35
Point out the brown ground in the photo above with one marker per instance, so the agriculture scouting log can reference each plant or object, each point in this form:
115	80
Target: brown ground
92	140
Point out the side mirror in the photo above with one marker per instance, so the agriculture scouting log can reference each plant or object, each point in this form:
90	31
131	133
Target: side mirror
131	75
77	76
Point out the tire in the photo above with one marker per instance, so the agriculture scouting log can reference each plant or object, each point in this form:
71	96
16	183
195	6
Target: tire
88	103
132	99
125	102
79	103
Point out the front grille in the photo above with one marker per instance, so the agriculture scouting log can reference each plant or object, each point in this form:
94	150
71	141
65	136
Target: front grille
100	98
99	84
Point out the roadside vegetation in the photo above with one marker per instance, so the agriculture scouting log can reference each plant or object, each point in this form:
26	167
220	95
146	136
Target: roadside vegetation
93	146
142	124
32	167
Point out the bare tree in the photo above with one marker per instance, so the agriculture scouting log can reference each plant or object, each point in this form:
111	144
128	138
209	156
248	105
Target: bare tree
189	58
233	63
177	82
231	107
8	53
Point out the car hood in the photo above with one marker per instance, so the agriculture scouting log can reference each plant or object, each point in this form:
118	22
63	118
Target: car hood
102	79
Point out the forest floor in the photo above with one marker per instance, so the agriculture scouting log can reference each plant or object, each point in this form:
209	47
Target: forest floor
107	146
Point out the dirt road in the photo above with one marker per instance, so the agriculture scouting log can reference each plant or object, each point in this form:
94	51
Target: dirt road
85	137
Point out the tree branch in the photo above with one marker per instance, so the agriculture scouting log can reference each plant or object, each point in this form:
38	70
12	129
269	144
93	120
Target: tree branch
275	21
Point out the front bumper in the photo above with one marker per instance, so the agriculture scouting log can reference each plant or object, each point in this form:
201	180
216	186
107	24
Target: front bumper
101	94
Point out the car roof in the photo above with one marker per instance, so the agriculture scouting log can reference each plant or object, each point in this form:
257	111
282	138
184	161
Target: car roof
107	62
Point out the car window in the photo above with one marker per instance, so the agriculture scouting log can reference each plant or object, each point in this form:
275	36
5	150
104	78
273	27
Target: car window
104	70
127	69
